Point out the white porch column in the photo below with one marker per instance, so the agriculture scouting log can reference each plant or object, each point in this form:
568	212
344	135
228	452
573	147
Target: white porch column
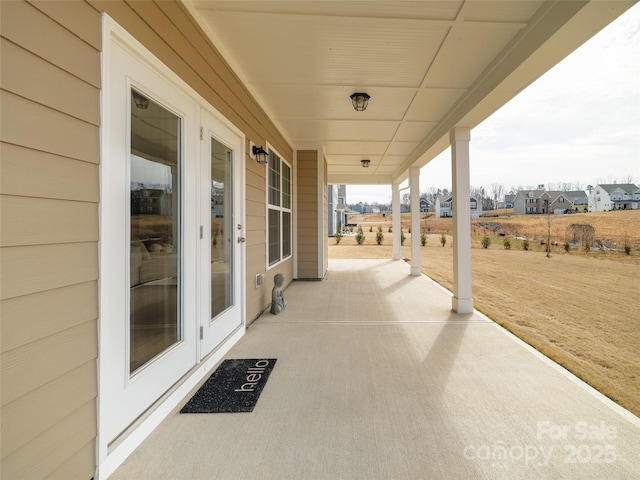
414	185
395	221
462	300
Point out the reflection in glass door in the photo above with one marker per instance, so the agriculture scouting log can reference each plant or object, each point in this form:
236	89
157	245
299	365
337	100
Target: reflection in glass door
154	255
222	250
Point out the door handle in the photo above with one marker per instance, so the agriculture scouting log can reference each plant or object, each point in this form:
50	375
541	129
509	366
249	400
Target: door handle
241	239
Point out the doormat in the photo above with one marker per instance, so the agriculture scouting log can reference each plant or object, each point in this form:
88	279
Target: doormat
235	386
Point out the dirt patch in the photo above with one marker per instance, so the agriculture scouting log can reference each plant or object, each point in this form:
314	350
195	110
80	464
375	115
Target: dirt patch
580	311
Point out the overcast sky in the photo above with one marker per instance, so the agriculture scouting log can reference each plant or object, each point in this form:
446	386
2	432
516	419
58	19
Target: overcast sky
580	122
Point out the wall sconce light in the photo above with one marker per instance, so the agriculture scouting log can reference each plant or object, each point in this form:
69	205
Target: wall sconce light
360	101
259	154
140	101
365	163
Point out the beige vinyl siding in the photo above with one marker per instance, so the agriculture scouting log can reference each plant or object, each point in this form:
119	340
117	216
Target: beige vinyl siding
50	87
307	184
55	392
63	446
33	173
39	33
39	127
38	221
28	318
256	235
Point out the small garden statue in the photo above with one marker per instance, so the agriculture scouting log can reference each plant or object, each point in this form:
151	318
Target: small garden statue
277	296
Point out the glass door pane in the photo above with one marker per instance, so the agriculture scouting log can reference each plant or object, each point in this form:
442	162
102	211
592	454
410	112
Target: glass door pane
222	250
154	255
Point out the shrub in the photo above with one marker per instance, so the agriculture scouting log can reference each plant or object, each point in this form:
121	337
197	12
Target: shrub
443	240
627	246
506	244
389	229
402	237
423	239
339	233
486	241
371	228
360	236
525	245
567	247
379	236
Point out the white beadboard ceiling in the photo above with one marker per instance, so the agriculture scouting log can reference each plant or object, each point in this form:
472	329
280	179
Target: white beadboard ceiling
429	66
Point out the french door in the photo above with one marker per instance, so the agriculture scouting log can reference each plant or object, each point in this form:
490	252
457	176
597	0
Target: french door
171	233
222	233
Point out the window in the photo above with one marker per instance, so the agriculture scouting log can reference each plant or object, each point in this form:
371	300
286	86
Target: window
155	165
279	206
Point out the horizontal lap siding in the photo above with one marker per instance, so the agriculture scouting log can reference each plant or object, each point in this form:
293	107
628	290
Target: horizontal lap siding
50	94
307	184
256	234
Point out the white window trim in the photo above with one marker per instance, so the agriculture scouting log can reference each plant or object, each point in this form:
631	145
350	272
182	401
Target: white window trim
280	208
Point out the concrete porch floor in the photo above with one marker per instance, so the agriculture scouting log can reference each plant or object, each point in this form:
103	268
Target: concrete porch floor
376	378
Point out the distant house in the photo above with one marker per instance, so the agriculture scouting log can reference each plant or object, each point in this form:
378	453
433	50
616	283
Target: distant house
509	200
427	205
334	211
155	201
444	207
342	194
531	202
614	197
579	198
362	208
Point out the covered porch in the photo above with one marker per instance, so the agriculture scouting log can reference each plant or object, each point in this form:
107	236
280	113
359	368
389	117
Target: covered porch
377	378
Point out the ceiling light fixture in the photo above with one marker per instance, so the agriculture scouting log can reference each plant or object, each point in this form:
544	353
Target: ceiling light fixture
365	163
360	101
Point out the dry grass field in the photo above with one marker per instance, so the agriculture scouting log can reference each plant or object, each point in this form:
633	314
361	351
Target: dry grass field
581	310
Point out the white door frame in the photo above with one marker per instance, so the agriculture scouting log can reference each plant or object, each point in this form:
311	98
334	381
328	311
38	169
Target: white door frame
127	395
214	332
154	78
